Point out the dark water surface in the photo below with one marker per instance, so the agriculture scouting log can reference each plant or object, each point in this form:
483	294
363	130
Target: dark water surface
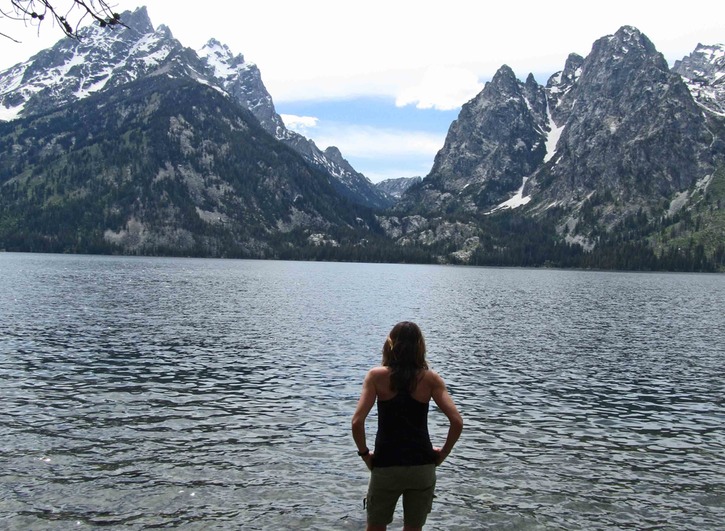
143	393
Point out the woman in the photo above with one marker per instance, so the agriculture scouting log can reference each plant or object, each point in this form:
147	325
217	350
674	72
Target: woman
404	460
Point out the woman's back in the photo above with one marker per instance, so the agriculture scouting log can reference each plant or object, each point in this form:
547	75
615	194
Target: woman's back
402	438
422	392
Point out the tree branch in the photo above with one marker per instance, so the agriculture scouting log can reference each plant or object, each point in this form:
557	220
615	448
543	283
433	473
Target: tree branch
34	12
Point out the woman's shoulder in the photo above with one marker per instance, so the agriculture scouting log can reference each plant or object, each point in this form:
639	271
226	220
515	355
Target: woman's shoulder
378	373
432	378
379	378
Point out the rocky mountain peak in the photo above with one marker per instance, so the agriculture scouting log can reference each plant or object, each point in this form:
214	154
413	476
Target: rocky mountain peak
218	54
630	36
572	67
397	187
559	89
704	72
504	82
74	69
335	154
497	140
615	59
563	80
213	44
611	136
705	63
632	132
138	20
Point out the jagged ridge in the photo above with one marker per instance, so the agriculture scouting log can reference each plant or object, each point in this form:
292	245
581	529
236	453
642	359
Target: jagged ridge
72	70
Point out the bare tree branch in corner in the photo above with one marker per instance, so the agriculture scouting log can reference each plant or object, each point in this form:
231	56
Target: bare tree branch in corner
67	14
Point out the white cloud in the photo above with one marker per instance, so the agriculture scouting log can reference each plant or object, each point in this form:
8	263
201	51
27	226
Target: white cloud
441	87
334	55
299	123
366	142
379	152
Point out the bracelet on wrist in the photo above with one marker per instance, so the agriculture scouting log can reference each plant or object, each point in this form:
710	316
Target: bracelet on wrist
365	452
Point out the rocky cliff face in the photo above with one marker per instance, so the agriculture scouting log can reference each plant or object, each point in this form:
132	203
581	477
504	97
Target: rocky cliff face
498	139
612	136
102	60
633	138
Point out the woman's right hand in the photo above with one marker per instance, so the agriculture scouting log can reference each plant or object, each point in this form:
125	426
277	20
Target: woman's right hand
439	456
369	460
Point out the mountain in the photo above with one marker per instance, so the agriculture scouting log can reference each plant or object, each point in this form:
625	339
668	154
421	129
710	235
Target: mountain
614	149
497	140
243	81
634	132
704	73
73	70
396	187
162	165
127	142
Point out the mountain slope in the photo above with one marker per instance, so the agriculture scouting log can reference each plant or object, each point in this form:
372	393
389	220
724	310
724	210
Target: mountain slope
162	165
72	70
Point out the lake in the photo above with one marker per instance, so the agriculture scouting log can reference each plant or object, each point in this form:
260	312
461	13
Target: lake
142	393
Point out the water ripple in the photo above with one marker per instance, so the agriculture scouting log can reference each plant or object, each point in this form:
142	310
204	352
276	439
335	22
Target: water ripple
204	394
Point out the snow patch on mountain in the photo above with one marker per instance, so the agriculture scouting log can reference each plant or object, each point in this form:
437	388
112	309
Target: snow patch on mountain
517	200
552	138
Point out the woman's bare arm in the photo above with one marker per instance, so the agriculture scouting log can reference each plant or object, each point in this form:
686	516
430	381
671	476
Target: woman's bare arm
455	423
364	405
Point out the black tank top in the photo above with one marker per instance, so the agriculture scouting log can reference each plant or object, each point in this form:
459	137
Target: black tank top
402	438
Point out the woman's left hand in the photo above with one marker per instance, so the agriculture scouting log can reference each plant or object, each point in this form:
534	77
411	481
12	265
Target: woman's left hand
439	456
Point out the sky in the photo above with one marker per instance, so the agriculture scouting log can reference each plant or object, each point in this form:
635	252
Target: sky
383	79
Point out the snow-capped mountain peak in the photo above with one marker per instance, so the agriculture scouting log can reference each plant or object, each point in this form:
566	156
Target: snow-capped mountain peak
106	58
72	70
704	73
221	59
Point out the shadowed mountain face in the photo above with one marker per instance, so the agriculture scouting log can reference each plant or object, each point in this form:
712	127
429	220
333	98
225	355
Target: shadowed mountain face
162	165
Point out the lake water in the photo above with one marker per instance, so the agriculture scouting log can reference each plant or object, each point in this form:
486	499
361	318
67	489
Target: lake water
143	393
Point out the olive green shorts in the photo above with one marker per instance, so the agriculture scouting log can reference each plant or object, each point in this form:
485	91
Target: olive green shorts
415	483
